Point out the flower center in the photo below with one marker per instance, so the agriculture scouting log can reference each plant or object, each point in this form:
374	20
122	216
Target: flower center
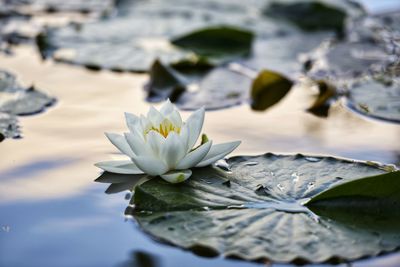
165	128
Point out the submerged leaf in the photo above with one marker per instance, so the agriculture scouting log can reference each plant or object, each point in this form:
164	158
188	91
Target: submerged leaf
268	88
253	210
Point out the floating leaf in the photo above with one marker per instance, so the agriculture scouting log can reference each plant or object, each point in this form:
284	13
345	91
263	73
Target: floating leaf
27	102
35	6
253	211
9	126
383	187
376	99
268	88
283	53
17	100
217	42
369	203
141	31
197	86
309	15
218	88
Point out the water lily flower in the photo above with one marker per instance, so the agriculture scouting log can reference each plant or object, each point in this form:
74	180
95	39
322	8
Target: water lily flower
161	144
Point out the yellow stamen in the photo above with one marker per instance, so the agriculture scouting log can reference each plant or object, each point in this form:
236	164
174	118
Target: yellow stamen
165	128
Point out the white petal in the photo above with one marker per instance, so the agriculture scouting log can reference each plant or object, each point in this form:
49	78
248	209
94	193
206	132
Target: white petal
194	157
175	118
155	117
173	150
155	142
138	145
120	142
131	121
218	152
145	124
184	134
176	176
167	108
151	165
195	124
119	166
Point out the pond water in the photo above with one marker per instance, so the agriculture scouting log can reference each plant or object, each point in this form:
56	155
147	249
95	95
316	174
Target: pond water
53	214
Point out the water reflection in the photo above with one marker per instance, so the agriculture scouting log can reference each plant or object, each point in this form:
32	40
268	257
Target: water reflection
141	259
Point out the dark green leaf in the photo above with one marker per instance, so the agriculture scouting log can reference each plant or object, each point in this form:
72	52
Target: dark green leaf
371	203
165	83
309	15
253	210
217	42
268	89
385	187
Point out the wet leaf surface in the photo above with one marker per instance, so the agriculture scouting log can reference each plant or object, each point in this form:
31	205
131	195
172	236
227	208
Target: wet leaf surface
253	211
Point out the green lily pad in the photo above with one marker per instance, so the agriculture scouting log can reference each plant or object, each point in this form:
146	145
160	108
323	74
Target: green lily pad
283	53
34	6
17	100
268	89
194	87
374	98
217	42
369	203
252	209
141	32
383	187
370	47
